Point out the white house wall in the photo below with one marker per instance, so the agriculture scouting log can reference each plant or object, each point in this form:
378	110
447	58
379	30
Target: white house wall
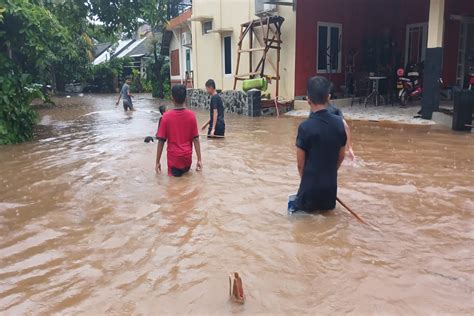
208	48
176	44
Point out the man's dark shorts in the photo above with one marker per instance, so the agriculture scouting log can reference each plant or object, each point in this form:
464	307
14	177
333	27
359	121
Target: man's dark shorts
175	172
318	206
220	130
127	105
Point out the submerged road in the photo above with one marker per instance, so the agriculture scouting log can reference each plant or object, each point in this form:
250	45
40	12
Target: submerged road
88	228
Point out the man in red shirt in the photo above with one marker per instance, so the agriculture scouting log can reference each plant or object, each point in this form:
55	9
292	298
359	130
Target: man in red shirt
179	128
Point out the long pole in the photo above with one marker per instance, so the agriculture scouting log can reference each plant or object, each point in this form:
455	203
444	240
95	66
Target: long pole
352	212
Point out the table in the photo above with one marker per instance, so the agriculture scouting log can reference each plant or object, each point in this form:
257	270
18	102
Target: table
375	94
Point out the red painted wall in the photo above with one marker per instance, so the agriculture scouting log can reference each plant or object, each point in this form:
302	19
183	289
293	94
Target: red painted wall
451	37
360	19
409	12
365	18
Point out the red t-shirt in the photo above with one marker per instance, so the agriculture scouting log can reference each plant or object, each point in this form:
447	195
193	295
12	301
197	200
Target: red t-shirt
179	128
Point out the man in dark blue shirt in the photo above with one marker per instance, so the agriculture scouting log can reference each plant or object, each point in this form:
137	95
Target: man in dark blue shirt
320	151
216	121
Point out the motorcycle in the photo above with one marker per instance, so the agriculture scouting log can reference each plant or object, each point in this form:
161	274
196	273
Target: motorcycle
471	78
409	86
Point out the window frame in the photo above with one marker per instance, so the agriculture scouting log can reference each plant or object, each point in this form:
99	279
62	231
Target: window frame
424	40
204	31
329	25
224	56
187	53
175	67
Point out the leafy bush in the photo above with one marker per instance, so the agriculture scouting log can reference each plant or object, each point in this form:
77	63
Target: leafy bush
17	118
165	75
104	77
136	85
146	86
32	42
160	83
104	74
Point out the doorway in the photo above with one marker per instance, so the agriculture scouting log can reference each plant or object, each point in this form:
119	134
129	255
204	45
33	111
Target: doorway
465	53
416	43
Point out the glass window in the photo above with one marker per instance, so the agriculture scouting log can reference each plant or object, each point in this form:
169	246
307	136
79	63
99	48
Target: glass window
329	47
188	60
227	55
334	48
206	27
322	47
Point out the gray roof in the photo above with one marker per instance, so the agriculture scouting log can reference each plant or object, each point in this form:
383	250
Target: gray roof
100	48
144	48
128	48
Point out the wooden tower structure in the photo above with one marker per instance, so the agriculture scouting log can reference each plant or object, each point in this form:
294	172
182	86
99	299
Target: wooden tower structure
267	32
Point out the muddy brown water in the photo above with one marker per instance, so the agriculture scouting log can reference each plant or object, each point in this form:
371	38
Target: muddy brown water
88	228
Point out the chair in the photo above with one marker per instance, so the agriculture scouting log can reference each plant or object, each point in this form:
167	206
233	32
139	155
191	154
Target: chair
361	86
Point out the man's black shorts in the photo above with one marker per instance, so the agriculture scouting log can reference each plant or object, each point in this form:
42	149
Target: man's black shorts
175	172
127	105
220	130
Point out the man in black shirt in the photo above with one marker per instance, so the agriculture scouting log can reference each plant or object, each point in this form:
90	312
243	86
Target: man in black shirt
216	121
320	151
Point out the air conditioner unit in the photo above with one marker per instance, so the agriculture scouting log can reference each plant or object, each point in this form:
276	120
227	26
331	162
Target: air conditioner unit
186	39
264	9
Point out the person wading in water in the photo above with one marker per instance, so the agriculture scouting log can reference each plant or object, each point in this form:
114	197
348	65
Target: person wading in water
216	121
320	151
126	96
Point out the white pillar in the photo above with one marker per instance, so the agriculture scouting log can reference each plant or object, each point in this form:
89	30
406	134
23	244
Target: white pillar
436	24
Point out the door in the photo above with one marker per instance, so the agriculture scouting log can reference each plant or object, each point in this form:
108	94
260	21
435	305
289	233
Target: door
465	52
416	43
188	60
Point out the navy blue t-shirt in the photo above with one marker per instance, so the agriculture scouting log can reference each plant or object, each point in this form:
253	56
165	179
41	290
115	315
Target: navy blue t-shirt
217	104
321	137
334	110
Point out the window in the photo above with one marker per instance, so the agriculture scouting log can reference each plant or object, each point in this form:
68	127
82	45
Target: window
416	42
206	27
175	62
188	60
227	55
329	47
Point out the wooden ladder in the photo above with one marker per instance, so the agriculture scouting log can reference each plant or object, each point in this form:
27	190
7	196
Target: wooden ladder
270	38
189	78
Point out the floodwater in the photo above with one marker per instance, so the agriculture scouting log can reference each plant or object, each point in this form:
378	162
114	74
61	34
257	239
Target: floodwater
88	228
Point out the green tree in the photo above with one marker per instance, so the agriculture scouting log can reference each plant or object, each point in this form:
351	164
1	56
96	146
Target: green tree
31	40
126	16
73	17
101	34
47	41
156	14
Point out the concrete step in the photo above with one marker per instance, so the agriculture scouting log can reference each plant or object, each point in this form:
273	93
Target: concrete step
303	104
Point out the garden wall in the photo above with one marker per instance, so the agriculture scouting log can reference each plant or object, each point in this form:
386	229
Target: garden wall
234	101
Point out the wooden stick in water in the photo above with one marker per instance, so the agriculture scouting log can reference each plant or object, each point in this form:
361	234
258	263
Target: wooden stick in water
352	212
215	136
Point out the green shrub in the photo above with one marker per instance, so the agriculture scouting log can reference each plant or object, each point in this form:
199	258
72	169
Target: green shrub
147	87
159	76
136	86
17	118
104	74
